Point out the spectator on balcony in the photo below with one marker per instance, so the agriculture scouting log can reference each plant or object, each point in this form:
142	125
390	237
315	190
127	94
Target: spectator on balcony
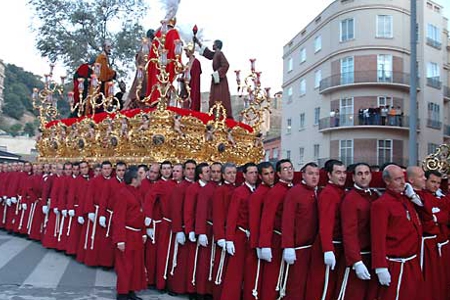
336	117
332	117
361	116
377	116
391	117
366	116
399	116
384	113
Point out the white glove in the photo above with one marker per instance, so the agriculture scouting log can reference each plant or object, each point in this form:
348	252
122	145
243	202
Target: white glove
258	253
180	238
329	259
147	221
45	209
266	254
435	210
192	237
64	212
411	194
80	220
8	201
230	247
102	221
361	270
56	211
384	277
439	193
91	217
289	256
24	206
5	197
151	233
71	213
221	243
203	240
13	200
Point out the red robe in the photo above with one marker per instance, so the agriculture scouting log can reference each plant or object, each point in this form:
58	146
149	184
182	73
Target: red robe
21	225
12	191
396	232
330	239
270	237
300	227
47	187
194	84
86	229
50	239
128	227
62	205
355	220
3	207
36	219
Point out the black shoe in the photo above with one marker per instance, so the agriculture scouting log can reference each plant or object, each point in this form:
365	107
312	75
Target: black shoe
173	294
193	296
132	296
122	297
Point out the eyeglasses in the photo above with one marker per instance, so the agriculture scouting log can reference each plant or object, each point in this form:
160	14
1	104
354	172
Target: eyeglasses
288	168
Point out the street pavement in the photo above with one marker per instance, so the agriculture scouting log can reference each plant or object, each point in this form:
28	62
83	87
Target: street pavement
29	271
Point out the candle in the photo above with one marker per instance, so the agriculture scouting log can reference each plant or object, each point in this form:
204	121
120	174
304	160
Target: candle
97	67
63	78
35	93
81	85
164	28
94	80
178	48
267	92
70	97
238	77
252	64
140	74
163	58
110	88
195	29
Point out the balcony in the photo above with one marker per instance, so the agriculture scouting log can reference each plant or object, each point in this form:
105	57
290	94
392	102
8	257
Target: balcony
435	124
356	121
447	131
433	43
365	78
434	82
446	93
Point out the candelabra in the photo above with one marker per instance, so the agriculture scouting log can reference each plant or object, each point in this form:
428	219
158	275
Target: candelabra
256	99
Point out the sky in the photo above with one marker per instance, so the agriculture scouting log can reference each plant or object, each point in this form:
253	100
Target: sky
248	28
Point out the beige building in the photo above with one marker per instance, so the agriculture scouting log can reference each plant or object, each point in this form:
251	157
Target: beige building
2	85
346	83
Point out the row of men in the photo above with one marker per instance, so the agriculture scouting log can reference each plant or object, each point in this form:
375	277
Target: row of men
334	244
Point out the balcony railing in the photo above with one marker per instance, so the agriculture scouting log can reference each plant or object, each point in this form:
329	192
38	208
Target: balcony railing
434	82
359	77
435	124
372	160
446	92
447	130
351	120
433	43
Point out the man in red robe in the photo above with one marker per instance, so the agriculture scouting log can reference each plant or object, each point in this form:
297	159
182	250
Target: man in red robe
62	206
25	202
12	187
47	185
300	227
396	234
193	77
327	260
219	82
237	234
84	71
358	283
129	237
270	230
34	195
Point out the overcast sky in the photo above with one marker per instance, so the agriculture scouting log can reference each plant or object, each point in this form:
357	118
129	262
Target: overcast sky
248	29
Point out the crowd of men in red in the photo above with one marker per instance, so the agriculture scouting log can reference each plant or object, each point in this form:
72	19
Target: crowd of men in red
191	229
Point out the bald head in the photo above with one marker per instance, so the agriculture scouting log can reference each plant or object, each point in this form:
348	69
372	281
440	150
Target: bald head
394	178
416	176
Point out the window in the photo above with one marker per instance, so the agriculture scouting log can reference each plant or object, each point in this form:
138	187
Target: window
384	151
301	155
289	95
434	116
384	26
346	151
288	154
347	70
275	153
316	152
317	78
432	148
302	55
347	30
302	87
383	101
433	36
290	64
345	114
289	126
316	115
317	44
384	68
302	121
267	155
433	75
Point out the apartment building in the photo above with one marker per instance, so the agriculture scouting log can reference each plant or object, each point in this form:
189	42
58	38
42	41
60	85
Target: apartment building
346	81
2	85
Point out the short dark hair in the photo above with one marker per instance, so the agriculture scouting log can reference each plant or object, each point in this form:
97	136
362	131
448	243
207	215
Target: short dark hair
216	163
97	166
76	164
130	174
264	165
189	161
360	164
329	165
248	165
121	163
280	162
106	162
166	162
218	44
151	33
199	170
310	164
432	172
143	166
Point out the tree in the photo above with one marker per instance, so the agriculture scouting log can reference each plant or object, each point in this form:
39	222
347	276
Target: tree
72	31
29	129
15	129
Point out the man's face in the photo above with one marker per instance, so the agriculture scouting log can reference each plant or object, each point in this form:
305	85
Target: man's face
27	167
142	173
20	167
97	171
311	176
68	170
252	175
108	49
433	183
153	173
362	176
120	171
286	172
106	170
267	176
14	167
338	175
53	169
206	174
189	171
166	171
177	173
76	170
84	169
59	169
418	180
46	168
396	182
216	174
229	174
38	170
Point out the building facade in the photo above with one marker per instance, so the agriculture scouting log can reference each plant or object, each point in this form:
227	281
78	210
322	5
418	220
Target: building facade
2	84
346	83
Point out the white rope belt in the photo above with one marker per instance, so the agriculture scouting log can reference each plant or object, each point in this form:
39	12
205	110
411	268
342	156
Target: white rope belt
167	219
402	261
209	223
154	230
277	232
168	254
133	229
422	248
94	226
109	221
211	259
440	245
247	232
